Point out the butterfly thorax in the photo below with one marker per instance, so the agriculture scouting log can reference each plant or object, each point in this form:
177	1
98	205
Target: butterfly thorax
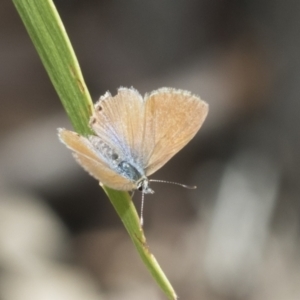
130	172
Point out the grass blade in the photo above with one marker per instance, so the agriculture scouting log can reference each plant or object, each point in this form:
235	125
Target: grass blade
50	39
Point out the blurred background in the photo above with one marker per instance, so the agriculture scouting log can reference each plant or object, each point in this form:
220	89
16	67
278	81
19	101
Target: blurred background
238	235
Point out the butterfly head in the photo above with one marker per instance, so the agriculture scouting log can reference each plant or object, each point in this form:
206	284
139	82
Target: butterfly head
143	186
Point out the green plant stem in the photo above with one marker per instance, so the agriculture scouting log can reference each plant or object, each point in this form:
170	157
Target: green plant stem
50	39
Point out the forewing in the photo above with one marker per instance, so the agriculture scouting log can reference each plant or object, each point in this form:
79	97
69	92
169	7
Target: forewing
172	119
120	120
88	158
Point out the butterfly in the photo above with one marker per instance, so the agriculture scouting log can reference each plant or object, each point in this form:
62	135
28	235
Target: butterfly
135	136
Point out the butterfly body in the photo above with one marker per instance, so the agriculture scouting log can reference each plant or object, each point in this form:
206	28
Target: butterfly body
135	135
125	166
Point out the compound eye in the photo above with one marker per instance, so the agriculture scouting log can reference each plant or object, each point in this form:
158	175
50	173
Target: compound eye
140	188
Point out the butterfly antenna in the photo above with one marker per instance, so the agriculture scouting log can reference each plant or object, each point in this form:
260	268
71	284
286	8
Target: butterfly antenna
191	187
142	210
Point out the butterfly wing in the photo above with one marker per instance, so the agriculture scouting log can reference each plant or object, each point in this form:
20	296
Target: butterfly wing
172	119
121	120
89	159
150	130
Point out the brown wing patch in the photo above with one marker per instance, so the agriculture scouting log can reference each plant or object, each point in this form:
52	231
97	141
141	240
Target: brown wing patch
120	121
173	117
92	163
